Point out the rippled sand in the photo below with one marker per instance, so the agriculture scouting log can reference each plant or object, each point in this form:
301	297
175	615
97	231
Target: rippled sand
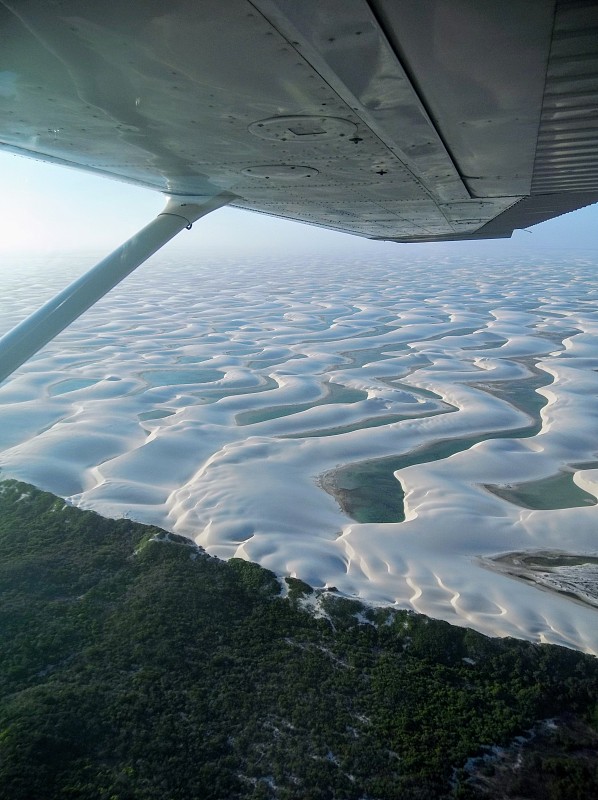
270	410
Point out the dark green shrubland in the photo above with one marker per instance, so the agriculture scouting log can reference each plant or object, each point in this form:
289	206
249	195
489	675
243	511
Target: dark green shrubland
133	667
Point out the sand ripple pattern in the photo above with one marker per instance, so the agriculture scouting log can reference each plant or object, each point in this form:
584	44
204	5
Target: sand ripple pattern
237	403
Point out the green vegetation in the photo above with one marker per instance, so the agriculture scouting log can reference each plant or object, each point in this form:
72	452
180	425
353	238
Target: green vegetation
135	667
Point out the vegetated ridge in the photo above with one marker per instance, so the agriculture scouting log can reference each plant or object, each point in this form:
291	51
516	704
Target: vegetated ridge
133	666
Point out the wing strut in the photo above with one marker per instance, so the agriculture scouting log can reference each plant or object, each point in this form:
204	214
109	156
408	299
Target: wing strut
29	336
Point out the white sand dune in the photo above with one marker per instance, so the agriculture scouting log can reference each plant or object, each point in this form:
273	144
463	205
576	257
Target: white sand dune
211	400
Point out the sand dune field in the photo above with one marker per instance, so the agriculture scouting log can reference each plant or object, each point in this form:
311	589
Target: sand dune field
387	429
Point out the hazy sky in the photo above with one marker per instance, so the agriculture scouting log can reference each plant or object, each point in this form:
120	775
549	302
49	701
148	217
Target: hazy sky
50	209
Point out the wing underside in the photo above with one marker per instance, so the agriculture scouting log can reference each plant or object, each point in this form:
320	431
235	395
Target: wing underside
387	119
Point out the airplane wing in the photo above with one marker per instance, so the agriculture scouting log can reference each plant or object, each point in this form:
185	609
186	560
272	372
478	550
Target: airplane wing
389	119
